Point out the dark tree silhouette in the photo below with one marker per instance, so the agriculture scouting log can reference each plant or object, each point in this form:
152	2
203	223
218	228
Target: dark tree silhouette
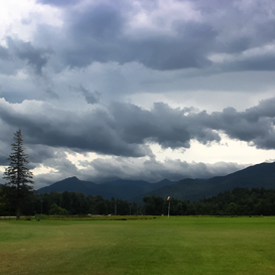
19	183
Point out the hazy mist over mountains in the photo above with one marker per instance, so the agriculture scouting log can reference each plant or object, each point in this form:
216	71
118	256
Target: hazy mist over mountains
260	175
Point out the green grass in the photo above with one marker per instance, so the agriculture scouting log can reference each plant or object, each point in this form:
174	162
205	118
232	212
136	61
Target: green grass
178	245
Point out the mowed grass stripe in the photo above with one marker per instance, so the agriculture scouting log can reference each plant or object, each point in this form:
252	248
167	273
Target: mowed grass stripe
179	245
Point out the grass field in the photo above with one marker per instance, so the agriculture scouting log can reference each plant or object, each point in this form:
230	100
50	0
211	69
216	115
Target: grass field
178	245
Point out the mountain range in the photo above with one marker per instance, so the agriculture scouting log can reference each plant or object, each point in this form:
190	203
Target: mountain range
257	176
121	189
260	175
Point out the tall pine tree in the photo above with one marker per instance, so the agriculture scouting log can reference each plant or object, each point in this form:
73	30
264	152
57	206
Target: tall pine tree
19	183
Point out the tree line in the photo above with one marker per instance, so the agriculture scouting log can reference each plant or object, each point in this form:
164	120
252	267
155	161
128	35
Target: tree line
73	203
239	201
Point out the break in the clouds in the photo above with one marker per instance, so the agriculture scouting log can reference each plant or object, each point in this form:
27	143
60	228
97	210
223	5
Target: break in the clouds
97	86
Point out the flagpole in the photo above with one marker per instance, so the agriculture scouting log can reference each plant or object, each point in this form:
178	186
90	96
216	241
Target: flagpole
168	199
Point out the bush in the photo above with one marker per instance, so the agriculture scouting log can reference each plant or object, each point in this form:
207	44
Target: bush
57	210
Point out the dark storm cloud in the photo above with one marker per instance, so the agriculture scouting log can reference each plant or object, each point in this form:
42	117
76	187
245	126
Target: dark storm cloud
95	34
175	128
168	54
124	129
100	33
41	153
264	62
98	36
240	24
92	131
169	127
4	157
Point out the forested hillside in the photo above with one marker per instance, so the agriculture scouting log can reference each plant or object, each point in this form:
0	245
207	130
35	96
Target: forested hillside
257	176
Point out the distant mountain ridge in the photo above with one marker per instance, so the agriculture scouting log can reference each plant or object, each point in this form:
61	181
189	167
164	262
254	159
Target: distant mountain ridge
259	175
122	189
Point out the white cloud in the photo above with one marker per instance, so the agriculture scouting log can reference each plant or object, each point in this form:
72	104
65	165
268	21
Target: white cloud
159	18
20	18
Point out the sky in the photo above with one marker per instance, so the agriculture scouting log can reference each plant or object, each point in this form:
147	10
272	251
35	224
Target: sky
137	89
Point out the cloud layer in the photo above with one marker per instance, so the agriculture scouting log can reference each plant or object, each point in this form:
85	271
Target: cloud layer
125	129
115	78
230	36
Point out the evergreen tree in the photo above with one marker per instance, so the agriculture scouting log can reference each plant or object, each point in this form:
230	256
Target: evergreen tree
19	183
2	202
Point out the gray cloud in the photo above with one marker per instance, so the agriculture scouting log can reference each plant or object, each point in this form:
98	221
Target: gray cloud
125	129
37	58
4	53
255	125
93	131
100	33
175	128
95	34
91	97
58	2
41	153
200	53
169	127
264	62
101	170
60	168
51	93
4	155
